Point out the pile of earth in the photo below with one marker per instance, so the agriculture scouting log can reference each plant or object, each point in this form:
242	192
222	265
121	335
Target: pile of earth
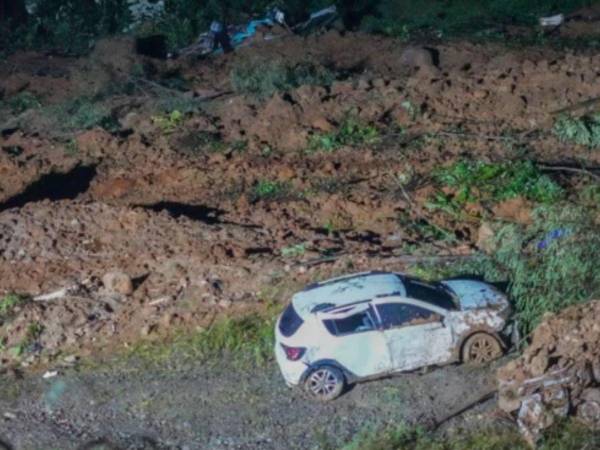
558	374
200	223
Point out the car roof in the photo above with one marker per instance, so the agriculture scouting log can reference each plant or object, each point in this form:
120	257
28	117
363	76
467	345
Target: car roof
347	290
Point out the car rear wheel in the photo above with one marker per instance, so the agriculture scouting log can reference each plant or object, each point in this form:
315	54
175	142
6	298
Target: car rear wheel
481	348
325	383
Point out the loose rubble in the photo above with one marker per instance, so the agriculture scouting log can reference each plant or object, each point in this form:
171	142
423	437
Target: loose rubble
558	374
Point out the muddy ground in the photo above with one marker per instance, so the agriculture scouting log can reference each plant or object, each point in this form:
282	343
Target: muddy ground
228	209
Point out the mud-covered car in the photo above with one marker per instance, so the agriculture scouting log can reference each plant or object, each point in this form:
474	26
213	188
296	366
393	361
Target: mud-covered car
368	325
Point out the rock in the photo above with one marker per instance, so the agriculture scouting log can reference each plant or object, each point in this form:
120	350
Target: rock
118	282
539	364
485	238
508	399
418	58
533	418
589	411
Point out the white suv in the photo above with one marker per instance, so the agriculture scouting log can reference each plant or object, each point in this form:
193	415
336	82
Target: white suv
369	325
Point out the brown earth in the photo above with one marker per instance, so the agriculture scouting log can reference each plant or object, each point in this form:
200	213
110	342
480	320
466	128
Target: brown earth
558	374
185	219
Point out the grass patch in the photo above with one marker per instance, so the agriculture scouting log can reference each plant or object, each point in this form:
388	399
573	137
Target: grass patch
351	132
271	190
22	102
550	264
471	182
262	79
579	130
8	304
246	339
81	113
564	436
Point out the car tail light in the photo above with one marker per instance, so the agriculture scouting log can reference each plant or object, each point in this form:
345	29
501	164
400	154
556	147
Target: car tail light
293	353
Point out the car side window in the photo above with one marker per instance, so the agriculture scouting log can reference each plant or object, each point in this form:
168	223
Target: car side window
395	315
356	323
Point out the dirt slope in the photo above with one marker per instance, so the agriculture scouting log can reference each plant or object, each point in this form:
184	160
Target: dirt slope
204	224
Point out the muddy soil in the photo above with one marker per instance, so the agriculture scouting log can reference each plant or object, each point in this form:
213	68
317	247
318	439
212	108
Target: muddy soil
223	406
181	211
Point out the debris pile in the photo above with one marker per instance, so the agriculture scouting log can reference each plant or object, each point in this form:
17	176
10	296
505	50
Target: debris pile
557	375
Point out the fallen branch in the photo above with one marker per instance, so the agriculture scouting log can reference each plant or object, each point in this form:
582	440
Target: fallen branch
52	295
570	169
584	104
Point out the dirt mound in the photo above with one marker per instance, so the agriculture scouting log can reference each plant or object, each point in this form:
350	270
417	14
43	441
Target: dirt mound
558	374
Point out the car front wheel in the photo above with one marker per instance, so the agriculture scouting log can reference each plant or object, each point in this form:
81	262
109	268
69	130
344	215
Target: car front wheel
481	348
325	383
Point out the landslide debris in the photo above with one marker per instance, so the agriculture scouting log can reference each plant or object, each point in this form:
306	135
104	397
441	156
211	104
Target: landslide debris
558	374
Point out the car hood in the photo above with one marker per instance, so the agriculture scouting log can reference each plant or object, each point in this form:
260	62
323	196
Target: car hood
476	294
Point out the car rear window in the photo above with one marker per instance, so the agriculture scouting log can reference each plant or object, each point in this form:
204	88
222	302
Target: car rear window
290	321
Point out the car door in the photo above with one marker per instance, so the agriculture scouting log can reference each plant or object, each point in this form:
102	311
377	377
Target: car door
355	340
415	333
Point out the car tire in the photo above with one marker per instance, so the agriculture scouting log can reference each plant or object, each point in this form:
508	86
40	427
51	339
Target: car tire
325	383
481	348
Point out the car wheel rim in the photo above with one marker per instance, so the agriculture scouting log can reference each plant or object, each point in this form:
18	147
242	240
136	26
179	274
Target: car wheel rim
483	350
322	382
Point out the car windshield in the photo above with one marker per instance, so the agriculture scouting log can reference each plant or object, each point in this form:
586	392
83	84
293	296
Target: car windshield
433	294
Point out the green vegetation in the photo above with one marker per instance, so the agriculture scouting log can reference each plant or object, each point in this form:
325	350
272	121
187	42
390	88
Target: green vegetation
80	113
71	26
405	18
168	123
271	190
246	339
34	331
566	436
293	251
21	102
66	27
492	182
579	130
8	304
351	132
550	264
261	79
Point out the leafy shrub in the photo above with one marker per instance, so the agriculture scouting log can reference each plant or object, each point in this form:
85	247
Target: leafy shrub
81	113
67	27
550	264
22	102
168	123
262	79
405	18
583	130
351	132
478	181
